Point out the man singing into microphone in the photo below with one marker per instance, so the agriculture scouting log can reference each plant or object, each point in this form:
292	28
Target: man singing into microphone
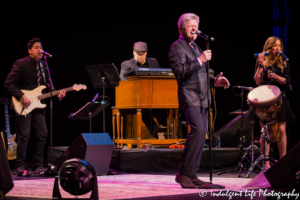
27	74
188	63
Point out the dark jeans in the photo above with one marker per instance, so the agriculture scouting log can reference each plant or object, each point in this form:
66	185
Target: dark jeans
196	117
36	121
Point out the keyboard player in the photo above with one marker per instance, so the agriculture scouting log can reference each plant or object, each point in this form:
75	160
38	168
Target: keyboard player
140	60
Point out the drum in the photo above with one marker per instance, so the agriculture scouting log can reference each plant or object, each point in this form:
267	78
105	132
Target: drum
273	133
265	101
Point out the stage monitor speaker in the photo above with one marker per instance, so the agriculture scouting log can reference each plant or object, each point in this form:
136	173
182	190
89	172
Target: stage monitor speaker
6	182
230	134
95	148
286	172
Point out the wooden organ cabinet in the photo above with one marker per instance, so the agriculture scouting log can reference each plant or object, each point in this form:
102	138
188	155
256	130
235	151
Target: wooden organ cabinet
144	92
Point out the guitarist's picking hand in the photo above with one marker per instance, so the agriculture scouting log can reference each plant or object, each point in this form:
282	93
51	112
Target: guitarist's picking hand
62	94
25	101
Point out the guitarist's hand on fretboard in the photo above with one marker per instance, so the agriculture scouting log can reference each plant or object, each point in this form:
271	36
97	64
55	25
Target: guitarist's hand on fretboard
25	101
62	94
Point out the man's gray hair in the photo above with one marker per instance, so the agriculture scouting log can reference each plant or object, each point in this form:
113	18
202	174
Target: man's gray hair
186	17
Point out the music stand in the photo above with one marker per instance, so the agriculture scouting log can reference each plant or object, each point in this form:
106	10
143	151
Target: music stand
103	76
88	111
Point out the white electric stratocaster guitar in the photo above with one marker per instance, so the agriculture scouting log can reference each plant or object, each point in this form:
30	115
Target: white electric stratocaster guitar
36	96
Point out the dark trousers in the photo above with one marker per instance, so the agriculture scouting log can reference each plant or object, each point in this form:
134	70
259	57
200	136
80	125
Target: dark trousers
196	117
36	121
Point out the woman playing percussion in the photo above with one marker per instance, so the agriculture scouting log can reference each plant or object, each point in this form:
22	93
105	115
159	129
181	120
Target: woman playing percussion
272	70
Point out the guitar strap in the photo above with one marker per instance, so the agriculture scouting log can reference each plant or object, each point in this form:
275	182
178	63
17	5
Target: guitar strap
43	71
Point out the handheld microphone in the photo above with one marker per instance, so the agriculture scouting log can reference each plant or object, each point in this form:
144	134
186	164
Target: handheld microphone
47	54
206	37
245	88
256	54
283	56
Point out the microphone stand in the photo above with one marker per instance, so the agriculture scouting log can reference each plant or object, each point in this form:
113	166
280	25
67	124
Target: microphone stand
50	171
209	124
240	167
103	102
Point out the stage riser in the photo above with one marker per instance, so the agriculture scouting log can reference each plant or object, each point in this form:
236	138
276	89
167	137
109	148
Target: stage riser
161	160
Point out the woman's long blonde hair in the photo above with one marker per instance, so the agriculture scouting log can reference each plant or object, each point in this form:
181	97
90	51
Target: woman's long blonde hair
270	42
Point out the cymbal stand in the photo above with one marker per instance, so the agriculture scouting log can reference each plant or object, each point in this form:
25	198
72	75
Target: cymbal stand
241	150
245	156
263	157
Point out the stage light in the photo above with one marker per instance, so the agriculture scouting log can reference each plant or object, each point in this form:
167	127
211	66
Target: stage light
76	177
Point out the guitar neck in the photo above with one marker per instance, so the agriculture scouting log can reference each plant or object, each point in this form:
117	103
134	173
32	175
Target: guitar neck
7	119
54	93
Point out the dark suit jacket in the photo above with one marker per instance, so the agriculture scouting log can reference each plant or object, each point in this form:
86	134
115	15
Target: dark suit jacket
191	76
23	76
129	65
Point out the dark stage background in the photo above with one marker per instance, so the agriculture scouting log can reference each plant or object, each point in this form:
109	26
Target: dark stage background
104	32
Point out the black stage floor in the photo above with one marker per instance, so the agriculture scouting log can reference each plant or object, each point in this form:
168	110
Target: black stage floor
165	160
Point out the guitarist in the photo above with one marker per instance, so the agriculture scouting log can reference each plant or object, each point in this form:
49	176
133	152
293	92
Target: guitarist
27	74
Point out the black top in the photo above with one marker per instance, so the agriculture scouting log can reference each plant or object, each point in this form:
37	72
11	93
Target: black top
266	81
128	66
140	65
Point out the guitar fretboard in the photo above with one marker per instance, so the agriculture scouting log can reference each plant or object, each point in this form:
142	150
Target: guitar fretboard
54	93
6	118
